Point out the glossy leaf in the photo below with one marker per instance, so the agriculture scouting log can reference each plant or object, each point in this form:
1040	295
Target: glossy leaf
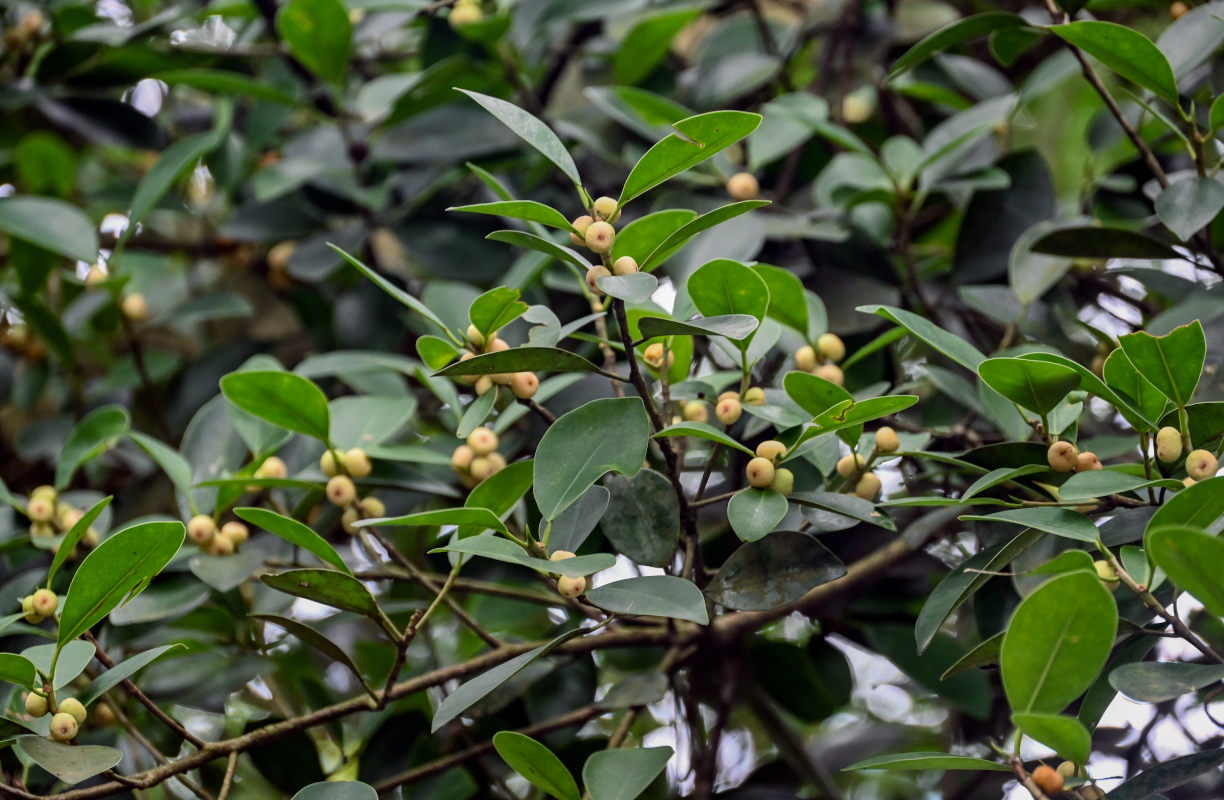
319	34
120	566
495	309
122	671
940	340
311	637
681	236
773	571
643	518
703	431
1167	775
654	596
1058	521
1057	642
520	359
71	764
331	588
1125	51
504	550
634	288
528	210
576	450
727	287
941	762
88	439
1066	736
1191	560
337	790
697	139
1199	506
74	534
1172	362
71	661
963	30
1100	241
282	398
530	130
732	326
1035	385
391	289
1102	482
754	513
536	763
1188	206
478	517
1160	681
51	224
625	773
17	669
295	533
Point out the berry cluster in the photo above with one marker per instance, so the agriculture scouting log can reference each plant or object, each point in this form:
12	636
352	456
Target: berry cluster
855	470
478	459
523	385
763	471
341	469
67	715
203	531
822	358
39	606
51	517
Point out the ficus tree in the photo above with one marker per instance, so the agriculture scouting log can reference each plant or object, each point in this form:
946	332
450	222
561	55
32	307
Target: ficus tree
610	400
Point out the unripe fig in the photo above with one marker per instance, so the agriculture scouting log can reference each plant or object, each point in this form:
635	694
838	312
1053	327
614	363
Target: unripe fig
1178	9
371	507
605	208
831	373
41	530
462	457
581	224
135	307
341	491
481	468
103	715
1061	456
464	14
272	467
848	465
653	355
592	278
44	602
754	396
95	275
855	109
497	461
357	463
71	705
63	727
1087	461
696	411
484	384
806	358
887	440
868	486
571	587
27	608
35	705
560	555
743	186
1188	481
482	441
468	379
1109	577
599	237
475	337
91	537
236	532
831	347
729	395
760	472
524	385
279	255
771	449
1201	465
1067	769
728	410
347	518
1048	780
220	546
329	464
201	528
44	491
783	481
625	265
40	509
1168	444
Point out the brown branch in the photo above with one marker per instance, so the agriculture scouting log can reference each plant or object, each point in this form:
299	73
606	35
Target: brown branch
1025	780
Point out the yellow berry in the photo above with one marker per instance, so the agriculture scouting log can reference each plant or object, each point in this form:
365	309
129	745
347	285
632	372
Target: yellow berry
357	463
580	224
728	410
1168	444
760	472
1048	780
571	587
560	555
729	395
606	209
200	529
806	358
40	509
743	186
1178	9
272	467
464	14
1062	455
372	508
754	396
35	705
831	347
44	602
475	337
1087	461
481	468
71	705
220	546
831	373
482	441
235	532
340	490
848	465
868	486
696	411
524	385
329	464
783	481
1201	465
625	265
63	727
887	440
135	307
653	355
592	278
462	457
484	384
347	518
771	449
1067	769
599	237
1109	576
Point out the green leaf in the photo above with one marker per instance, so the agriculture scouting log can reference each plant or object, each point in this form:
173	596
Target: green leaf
331	588
787	300
634	288
548	247
642	520
1198	506
70	763
668	247
531	130
475	690
964	580
1120	374
1101	482
697	139
723	287
480	517
495	309
941	762
1058	521
703	431
643	236
1167	775
1100	241
520	359
1160	681
1094	385
1173	362
1191	560
51	224
319	34
983	655
69	542
295	533
337	790
654	596
121	565
1190	205
1125	51
1057	642
1036	385
773	571
536	763
504	550
935	337
282	398
499	494
624	773
647	43
122	671
70	662
528	210
849	414
1216	117
367	421
222	82
577	450
963	30
174	161
391	289
88	439
1066	736
813	394
17	669
754	513
732	326
170	460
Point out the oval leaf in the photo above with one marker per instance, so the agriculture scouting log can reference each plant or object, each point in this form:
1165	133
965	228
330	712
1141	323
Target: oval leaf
295	533
653	595
282	398
536	763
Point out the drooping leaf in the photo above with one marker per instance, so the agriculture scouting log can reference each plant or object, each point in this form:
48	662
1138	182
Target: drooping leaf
295	533
528	210
1058	521
531	130
652	595
697	139
71	764
1159	681
952	346
89	438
